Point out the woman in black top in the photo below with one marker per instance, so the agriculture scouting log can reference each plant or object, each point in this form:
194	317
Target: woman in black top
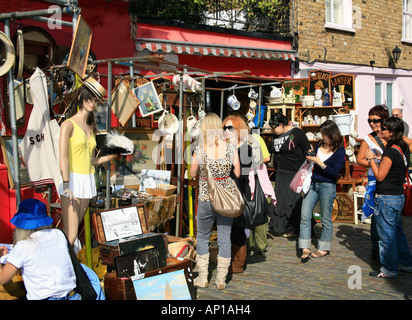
288	146
394	250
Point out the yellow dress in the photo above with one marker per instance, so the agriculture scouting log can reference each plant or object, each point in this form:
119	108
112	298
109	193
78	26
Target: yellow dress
81	182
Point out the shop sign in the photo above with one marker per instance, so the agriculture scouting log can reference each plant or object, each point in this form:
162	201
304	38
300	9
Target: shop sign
345	84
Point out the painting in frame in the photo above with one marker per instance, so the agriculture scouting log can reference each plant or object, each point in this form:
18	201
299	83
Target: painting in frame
7	151
148	98
79	51
169	286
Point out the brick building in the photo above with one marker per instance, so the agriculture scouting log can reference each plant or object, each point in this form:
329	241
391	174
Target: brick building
357	37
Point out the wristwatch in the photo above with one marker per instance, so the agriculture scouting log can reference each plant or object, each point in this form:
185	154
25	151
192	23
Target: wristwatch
369	160
323	167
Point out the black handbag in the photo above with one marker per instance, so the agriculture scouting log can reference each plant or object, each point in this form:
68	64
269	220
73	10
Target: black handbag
83	284
255	211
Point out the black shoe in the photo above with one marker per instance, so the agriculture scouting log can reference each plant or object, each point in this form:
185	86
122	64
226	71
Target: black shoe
305	257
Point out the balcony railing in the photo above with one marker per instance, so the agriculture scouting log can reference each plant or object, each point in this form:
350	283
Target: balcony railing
269	16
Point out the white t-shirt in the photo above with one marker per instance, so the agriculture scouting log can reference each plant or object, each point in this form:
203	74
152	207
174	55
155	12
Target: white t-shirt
323	156
45	264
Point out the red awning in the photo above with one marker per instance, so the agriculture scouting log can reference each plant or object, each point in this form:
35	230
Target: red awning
167	46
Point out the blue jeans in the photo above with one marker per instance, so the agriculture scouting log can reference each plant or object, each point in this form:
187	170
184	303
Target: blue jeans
76	296
325	193
393	247
206	217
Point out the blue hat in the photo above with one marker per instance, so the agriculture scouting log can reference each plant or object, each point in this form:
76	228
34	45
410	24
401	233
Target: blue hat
32	214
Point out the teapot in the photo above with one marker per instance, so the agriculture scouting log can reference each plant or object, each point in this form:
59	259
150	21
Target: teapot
276	92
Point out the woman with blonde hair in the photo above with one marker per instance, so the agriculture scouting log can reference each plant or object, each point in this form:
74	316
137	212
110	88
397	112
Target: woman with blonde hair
220	158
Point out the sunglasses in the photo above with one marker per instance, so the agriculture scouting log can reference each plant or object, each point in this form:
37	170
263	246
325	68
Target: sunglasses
374	120
384	129
230	128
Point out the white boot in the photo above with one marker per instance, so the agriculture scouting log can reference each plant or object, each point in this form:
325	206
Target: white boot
223	265
202	265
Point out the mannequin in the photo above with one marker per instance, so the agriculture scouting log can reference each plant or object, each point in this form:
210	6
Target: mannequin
77	156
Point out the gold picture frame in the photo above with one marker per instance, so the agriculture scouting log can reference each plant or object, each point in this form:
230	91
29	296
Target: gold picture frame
79	51
7	151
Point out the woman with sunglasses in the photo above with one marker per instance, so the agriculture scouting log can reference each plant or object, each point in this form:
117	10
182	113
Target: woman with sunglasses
373	142
394	252
237	133
288	146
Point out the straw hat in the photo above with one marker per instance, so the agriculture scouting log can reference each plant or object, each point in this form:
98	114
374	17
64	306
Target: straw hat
95	87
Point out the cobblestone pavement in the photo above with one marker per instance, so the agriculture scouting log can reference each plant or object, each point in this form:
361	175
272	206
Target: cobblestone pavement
278	273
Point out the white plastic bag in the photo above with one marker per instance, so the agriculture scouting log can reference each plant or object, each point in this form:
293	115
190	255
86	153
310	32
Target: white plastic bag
301	181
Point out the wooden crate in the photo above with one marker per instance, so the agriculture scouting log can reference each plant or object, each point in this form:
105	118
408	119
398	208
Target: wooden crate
111	249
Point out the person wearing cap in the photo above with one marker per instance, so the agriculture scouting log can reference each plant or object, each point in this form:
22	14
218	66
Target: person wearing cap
41	253
77	156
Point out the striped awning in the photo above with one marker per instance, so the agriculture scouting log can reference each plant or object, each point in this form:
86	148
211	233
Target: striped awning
165	46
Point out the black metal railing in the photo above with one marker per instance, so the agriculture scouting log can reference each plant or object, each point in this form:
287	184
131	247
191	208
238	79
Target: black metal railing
269	16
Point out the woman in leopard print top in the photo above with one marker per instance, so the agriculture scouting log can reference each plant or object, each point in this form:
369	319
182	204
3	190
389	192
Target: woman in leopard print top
220	158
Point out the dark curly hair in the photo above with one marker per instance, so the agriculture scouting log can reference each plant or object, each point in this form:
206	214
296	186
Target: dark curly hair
379	110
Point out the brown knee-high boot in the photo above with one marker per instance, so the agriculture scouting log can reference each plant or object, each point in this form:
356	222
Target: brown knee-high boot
239	254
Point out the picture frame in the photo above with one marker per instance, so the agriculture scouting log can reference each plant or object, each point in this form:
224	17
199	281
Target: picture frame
124	102
80	48
127	170
121	223
319	77
168	286
148	98
7	151
345	84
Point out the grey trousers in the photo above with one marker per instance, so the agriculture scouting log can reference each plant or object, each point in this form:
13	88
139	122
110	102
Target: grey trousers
206	217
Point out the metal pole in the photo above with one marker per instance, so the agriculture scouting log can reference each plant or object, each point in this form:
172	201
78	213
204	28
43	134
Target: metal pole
13	125
131	87
108	127
178	151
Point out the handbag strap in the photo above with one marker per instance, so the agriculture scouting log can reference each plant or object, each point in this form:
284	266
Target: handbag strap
378	140
403	159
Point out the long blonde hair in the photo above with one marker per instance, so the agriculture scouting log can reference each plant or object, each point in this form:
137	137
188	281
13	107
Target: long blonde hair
211	128
23	234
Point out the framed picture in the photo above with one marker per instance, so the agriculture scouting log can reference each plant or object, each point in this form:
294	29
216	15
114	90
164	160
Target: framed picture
121	223
7	151
124	102
79	51
319	79
127	170
148	98
168	286
345	85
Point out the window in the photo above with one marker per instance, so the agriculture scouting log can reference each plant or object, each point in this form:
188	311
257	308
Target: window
407	21
384	93
339	15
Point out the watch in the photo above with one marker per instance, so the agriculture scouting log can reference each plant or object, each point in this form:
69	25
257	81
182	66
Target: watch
323	167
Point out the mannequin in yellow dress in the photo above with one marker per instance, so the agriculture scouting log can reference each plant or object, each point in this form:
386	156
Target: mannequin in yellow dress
77	156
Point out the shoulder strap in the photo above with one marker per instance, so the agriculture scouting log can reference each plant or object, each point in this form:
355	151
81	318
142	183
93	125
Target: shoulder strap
378	140
404	160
